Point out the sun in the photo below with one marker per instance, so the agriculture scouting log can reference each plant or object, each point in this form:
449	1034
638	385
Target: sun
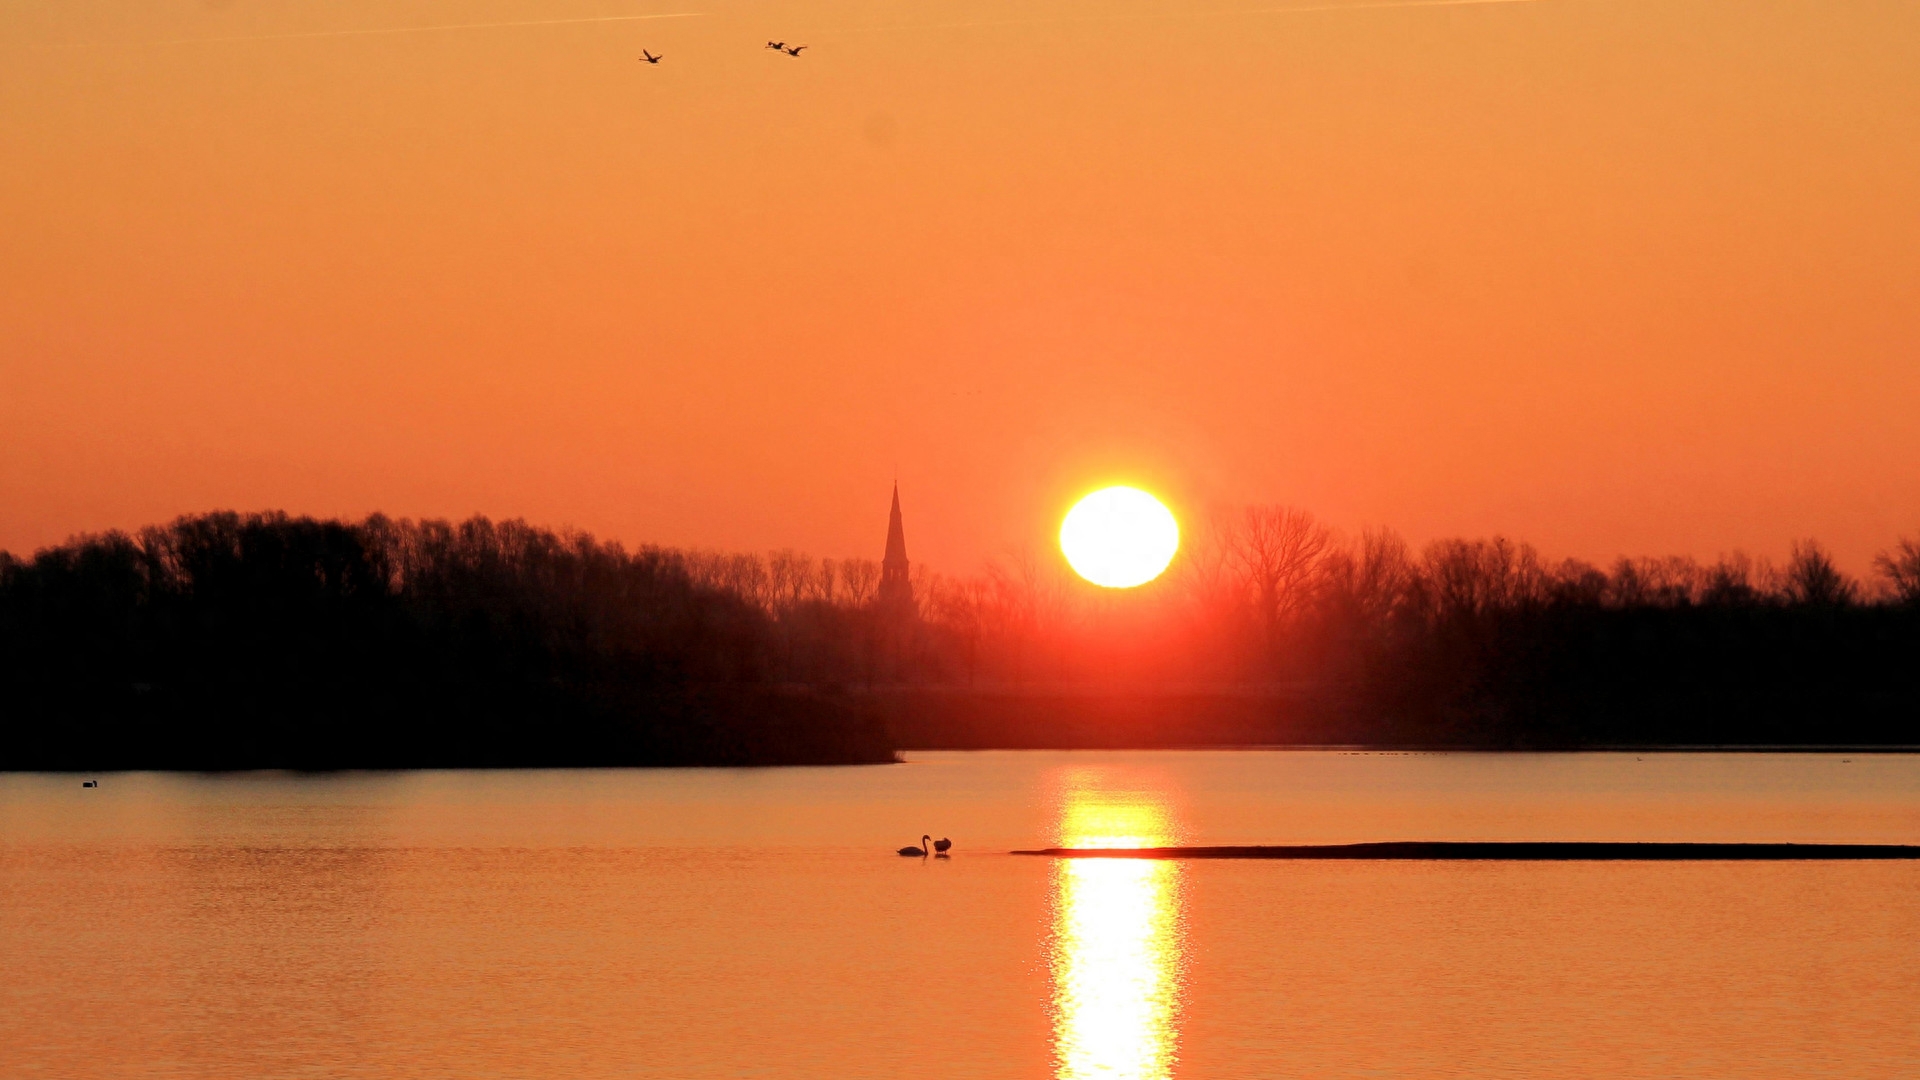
1119	537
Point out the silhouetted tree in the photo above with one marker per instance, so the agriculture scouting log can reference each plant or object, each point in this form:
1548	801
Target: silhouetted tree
1901	567
1277	549
860	578
1813	580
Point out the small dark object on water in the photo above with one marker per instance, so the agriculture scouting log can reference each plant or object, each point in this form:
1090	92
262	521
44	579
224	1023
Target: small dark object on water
1538	851
916	850
941	845
89	783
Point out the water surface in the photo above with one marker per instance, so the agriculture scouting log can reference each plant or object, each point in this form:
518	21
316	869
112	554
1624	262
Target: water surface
755	923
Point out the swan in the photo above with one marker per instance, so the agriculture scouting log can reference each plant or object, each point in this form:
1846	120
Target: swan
941	845
916	850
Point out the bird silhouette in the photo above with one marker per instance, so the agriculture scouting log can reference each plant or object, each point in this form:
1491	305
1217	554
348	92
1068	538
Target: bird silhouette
781	45
941	845
795	51
649	57
916	850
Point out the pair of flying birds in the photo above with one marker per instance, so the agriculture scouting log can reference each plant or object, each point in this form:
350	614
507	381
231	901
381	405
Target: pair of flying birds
790	50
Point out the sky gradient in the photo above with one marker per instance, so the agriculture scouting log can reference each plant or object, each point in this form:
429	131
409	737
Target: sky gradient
1609	276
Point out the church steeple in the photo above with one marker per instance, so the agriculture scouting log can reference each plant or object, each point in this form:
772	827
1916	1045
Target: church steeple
896	588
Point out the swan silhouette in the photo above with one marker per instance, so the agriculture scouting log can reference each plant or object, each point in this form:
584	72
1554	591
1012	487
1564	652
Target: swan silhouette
916	850
941	845
781	45
649	57
795	51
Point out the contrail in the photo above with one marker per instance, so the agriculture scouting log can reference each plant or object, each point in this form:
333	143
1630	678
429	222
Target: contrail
379	30
1363	5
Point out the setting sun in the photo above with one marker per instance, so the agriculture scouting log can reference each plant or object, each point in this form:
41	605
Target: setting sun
1119	537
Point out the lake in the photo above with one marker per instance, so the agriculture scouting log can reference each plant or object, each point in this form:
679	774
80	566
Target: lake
756	923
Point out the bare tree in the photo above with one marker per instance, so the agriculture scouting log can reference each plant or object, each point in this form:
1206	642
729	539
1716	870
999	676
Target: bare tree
746	577
1276	549
1206	570
1365	579
1901	568
928	587
1472	577
1385	573
859	578
823	585
1730	580
1812	579
1577	583
789	578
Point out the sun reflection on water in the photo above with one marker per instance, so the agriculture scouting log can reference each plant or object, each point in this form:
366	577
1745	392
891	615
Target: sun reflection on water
1116	939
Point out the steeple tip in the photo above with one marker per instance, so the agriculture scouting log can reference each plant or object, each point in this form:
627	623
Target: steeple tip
896	586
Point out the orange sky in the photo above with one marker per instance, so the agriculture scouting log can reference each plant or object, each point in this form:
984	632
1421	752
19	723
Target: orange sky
1610	276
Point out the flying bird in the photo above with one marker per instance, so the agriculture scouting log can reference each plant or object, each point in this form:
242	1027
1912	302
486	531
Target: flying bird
795	51
781	45
649	57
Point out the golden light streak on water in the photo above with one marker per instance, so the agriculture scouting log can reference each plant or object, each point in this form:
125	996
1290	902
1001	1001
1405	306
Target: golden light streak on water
1116	951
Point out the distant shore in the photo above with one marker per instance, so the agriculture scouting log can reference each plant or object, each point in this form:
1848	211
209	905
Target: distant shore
250	641
1065	717
346	763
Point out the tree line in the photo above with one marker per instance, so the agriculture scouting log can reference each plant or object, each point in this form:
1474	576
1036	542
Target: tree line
1458	642
227	640
245	641
1472	641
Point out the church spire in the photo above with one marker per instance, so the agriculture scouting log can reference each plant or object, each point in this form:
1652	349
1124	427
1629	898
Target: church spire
896	588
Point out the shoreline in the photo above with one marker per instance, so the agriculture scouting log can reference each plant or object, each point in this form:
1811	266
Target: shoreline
320	770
